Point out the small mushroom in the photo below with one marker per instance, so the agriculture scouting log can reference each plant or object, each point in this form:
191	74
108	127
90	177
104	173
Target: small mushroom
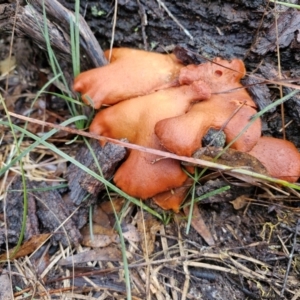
172	199
229	109
143	174
280	157
131	73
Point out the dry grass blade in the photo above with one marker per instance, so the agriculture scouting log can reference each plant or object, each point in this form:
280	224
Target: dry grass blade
161	3
254	252
27	248
199	224
194	161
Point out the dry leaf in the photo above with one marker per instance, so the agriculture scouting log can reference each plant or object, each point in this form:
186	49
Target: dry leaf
130	233
99	240
100	217
101	237
12	97
104	254
199	224
28	247
97	229
117	205
7	65
147	229
239	202
232	158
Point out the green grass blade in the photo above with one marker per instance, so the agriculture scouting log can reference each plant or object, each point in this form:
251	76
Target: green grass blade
286	4
36	143
84	168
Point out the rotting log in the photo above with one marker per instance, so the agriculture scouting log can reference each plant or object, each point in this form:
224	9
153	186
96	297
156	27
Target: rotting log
29	21
84	187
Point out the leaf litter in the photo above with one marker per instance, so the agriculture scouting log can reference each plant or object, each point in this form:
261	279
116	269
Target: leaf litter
253	242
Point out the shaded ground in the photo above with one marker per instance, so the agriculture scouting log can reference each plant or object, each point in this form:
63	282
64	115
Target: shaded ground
256	235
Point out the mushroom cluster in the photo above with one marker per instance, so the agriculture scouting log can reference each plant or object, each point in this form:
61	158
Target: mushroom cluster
157	102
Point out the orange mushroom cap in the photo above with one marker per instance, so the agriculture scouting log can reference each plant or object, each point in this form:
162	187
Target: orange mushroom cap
135	119
172	199
280	157
221	75
229	111
161	114
183	134
131	73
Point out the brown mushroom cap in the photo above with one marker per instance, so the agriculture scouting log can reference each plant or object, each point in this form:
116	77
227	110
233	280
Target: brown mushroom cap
131	73
280	157
135	119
